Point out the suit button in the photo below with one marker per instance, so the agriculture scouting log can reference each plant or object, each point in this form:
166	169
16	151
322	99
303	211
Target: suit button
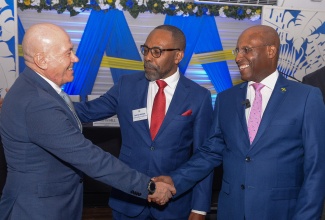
152	148
242	186
81	180
248	159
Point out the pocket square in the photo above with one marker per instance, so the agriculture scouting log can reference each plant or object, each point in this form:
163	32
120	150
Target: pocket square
187	113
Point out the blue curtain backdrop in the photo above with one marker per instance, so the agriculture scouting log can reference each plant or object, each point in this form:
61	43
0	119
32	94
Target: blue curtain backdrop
209	41
21	34
105	31
90	52
109	31
202	36
192	27
122	45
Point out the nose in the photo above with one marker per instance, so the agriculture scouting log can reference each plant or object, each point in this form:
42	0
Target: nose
147	57
74	57
238	57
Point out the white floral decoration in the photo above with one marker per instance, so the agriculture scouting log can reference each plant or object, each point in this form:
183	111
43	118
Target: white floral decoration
221	13
255	17
35	2
195	9
118	5
104	6
179	13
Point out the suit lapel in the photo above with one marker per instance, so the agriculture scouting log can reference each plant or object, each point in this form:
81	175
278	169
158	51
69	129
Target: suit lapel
41	83
277	97
241	107
140	101
181	92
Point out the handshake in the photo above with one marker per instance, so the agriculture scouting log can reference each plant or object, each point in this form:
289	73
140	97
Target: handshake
164	190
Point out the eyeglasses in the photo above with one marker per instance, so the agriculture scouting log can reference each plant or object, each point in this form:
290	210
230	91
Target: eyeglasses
245	50
155	51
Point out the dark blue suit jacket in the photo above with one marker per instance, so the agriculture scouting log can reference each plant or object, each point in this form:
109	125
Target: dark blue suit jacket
172	147
282	174
316	79
47	155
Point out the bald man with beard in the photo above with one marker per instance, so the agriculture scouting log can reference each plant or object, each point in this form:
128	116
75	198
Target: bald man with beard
45	150
279	172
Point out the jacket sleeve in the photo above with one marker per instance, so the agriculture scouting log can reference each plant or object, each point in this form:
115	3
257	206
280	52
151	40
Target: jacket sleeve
312	193
100	108
202	191
58	136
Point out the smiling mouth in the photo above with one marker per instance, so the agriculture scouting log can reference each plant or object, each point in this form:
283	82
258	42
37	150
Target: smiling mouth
243	67
70	68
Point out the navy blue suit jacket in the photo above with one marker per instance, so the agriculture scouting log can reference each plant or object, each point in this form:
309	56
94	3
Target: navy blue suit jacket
316	79
177	138
282	174
47	156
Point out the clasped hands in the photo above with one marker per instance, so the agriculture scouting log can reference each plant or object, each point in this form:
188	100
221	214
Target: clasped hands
164	190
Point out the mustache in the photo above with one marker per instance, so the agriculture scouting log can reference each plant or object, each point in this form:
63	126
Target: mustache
149	65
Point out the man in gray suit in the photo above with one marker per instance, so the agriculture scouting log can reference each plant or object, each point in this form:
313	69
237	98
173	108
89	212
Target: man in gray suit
45	150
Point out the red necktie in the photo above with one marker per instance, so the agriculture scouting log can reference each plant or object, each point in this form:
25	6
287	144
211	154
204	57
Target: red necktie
158	109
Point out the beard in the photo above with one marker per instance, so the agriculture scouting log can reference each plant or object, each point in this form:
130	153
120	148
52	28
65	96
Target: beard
154	73
151	72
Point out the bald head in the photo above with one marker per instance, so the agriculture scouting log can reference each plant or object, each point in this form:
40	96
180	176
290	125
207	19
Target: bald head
48	51
41	38
257	52
265	34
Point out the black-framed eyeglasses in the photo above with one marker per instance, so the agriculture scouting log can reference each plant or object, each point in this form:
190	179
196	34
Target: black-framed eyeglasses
245	50
155	51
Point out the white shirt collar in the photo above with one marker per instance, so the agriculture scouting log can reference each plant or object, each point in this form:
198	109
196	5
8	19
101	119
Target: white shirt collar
171	80
269	81
54	86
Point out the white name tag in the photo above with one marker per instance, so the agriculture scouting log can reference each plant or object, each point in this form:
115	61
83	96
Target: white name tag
139	114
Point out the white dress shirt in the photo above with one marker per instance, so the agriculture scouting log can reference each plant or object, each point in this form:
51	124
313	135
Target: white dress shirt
169	92
266	91
54	86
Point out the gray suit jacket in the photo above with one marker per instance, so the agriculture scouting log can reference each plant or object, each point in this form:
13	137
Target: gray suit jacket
47	156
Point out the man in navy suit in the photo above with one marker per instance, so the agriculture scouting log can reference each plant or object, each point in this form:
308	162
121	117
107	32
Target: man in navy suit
316	79
3	165
280	174
45	150
188	117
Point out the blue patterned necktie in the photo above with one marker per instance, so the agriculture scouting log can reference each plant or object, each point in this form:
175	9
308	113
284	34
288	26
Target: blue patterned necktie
67	100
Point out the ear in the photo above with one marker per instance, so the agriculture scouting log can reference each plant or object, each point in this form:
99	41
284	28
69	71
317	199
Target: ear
272	51
40	60
179	56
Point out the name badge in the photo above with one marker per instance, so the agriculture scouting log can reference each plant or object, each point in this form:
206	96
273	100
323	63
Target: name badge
139	114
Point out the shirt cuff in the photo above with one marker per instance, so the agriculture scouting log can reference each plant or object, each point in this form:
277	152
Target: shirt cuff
199	212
